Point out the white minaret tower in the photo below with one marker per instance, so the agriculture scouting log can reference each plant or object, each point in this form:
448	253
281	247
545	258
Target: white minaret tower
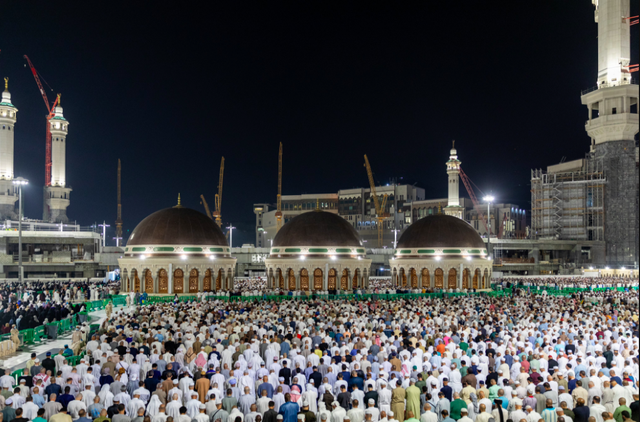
56	196
610	101
453	170
8	195
612	124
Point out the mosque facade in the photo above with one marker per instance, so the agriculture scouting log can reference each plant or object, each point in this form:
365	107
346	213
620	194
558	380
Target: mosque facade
441	252
317	251
177	251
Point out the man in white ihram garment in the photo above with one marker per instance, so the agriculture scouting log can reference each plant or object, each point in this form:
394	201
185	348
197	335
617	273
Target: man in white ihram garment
173	407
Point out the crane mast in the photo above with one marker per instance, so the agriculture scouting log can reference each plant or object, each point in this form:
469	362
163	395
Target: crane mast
218	199
474	199
206	206
119	218
279	200
380	214
50	115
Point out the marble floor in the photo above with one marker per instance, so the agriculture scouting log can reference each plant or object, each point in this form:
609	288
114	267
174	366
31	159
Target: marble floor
17	360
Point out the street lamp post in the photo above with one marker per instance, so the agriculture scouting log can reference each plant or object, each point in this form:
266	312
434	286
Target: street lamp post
20	181
230	228
488	199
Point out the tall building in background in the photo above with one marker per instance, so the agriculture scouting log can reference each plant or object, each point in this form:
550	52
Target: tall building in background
8	194
453	170
57	196
596	198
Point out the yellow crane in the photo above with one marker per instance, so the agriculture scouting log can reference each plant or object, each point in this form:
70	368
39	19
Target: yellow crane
380	214
217	214
206	206
279	211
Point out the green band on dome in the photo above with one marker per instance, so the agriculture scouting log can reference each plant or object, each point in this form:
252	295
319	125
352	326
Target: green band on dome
426	251
475	251
276	250
164	249
291	250
216	250
318	250
405	251
189	249
361	250
343	250
451	251
138	249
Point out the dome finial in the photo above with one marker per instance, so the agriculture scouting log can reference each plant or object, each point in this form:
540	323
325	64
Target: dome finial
6	83
179	205
453	144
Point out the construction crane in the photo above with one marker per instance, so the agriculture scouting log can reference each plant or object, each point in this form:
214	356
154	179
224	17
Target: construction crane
206	206
51	110
380	214
119	219
279	201
217	214
476	204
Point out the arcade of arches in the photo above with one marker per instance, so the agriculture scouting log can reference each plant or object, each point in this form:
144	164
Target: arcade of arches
317	276
166	278
441	276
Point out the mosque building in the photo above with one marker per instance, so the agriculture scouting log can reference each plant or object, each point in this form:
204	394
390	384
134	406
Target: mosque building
317	251
177	250
441	252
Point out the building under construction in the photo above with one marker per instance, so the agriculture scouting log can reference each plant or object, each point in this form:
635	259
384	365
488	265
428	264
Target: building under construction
567	200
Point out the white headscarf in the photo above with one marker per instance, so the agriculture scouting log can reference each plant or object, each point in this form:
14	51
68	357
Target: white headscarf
106	396
154	406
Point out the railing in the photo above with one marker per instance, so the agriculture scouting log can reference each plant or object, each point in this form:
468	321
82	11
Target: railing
632	81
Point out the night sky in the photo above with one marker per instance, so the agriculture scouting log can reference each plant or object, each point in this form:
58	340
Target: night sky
171	87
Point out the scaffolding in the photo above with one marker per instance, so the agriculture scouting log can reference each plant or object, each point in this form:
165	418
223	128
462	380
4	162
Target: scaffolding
569	205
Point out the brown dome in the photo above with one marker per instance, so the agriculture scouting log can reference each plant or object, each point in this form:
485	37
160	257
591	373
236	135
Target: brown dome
317	228
177	226
440	231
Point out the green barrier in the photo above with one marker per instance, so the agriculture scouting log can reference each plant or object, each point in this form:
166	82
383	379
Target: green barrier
119	301
38	333
27	336
73	360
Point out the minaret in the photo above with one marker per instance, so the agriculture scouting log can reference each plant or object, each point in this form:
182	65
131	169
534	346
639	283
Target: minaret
612	124
8	196
609	102
56	196
453	170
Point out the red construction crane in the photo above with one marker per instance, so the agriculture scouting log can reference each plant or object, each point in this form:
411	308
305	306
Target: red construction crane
476	204
51	110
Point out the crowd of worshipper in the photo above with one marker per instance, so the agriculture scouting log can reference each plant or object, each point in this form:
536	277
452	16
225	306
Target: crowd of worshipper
568	282
467	359
34	303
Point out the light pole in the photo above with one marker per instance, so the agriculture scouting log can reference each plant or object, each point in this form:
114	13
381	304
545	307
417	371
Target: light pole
104	226
230	228
20	181
488	199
